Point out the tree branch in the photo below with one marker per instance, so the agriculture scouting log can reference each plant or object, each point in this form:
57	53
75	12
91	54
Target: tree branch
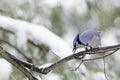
80	54
16	62
10	58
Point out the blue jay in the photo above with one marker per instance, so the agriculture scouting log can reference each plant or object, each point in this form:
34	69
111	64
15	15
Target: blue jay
89	38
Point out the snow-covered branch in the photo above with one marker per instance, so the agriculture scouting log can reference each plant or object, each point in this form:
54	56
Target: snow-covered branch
37	33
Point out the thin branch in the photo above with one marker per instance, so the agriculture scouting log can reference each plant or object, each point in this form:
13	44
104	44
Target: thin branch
84	60
78	65
104	69
100	56
99	50
73	56
66	59
10	58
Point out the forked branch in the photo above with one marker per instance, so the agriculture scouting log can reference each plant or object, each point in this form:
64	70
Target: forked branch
14	61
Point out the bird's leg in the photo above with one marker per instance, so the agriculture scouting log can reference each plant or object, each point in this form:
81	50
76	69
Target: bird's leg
90	48
87	48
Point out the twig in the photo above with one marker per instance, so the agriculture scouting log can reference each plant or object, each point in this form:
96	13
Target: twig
78	66
66	59
104	69
84	60
10	58
95	59
100	56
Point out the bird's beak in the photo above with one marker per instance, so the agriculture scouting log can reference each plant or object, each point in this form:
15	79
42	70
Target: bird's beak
74	49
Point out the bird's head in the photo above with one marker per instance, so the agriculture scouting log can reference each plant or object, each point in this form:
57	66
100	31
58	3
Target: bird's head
75	43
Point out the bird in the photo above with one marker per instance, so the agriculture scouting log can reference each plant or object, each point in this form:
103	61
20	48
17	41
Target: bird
89	38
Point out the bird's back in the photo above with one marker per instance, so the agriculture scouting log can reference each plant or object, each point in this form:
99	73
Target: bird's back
90	37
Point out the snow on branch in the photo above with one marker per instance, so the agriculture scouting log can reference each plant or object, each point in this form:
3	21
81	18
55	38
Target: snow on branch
37	33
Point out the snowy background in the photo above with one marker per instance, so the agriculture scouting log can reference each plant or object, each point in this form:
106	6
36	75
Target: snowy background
43	31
